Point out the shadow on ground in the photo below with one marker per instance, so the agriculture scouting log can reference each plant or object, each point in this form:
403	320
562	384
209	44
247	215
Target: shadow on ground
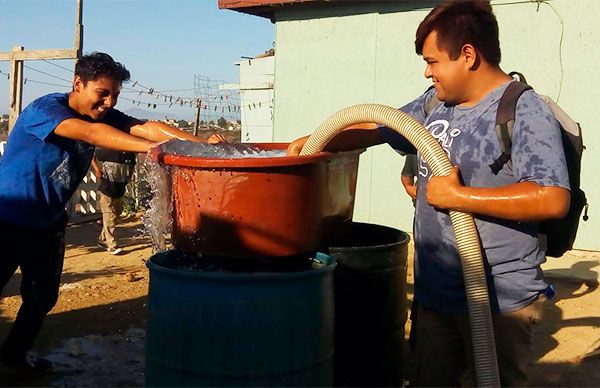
129	235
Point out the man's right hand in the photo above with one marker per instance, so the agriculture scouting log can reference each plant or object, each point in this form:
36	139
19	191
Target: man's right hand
357	136
296	146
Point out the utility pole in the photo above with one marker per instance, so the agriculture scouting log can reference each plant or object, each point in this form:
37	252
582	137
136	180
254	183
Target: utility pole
18	55
197	121
78	41
15	89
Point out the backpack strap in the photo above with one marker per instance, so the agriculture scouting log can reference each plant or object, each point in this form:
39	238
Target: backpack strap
519	77
505	121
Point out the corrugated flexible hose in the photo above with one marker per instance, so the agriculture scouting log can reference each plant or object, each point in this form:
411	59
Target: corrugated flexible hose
467	238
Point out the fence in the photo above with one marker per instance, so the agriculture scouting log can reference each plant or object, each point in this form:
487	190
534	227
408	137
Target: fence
86	199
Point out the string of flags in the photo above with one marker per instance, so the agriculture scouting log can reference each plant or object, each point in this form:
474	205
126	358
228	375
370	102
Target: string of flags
203	106
223	102
169	98
215	103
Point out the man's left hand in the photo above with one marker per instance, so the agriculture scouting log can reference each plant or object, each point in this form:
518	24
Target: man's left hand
443	191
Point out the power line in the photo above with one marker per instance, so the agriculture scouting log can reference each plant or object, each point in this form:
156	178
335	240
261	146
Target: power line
46	83
209	107
59	66
177	90
140	85
48	74
211	99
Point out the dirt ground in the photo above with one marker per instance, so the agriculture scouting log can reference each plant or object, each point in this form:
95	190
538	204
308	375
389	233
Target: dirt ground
95	334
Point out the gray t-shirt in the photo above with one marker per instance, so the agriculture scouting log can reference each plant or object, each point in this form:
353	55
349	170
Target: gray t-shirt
411	166
512	252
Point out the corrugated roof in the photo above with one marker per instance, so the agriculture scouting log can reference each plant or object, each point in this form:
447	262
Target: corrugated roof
268	53
264	8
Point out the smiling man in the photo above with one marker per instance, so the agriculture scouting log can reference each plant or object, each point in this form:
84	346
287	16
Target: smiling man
459	43
48	153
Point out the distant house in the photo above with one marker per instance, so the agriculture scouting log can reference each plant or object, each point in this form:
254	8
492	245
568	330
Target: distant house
172	122
257	77
333	54
256	88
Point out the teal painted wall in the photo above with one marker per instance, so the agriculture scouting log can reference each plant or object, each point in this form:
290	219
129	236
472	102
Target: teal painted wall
330	57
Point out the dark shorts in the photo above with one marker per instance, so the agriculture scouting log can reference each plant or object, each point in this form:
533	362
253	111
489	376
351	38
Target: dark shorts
442	346
40	255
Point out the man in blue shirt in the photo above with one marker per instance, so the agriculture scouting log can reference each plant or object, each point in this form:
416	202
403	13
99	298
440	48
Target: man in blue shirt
459	43
47	155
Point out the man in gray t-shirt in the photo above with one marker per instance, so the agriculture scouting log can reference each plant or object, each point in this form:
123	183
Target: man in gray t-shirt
468	136
459	43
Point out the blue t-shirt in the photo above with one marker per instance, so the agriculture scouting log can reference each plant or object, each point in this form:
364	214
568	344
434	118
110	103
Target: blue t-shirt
40	170
511	249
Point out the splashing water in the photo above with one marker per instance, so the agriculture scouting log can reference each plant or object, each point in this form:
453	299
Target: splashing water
221	150
157	219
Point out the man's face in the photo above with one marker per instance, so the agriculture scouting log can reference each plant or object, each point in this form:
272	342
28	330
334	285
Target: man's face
95	98
448	76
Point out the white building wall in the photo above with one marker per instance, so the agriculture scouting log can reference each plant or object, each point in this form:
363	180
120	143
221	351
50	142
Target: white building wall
256	99
333	56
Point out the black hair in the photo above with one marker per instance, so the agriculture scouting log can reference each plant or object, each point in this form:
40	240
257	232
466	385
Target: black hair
92	66
462	22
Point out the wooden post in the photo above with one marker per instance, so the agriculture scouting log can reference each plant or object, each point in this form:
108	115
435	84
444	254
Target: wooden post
78	30
16	89
18	55
197	121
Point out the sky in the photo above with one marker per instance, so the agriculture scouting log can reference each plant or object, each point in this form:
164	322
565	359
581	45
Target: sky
163	43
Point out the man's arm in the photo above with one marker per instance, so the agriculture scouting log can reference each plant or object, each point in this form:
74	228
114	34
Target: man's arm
159	131
102	135
355	137
524	201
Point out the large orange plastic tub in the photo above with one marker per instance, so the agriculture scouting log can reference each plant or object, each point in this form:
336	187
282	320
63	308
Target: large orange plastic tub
260	207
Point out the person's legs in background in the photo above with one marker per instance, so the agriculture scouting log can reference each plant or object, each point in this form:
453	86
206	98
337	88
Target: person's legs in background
111	209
